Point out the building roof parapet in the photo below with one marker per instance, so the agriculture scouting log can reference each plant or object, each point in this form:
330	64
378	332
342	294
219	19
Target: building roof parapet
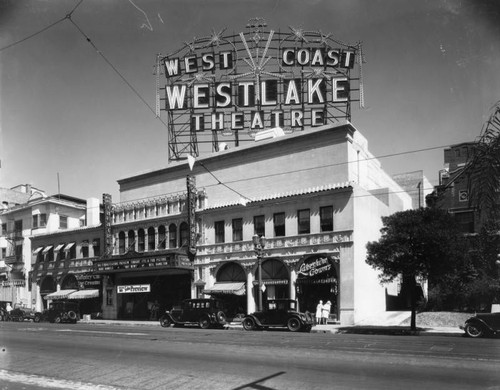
288	194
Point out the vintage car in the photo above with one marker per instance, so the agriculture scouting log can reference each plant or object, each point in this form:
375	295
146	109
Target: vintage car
203	312
60	311
21	313
279	313
482	324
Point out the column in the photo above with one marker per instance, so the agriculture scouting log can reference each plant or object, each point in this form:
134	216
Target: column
293	279
250	297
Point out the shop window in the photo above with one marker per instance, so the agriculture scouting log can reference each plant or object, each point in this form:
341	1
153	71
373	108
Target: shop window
141	245
162	237
259	226
151	239
96	244
121	243
172	236
304	221
184	233
279	224
326	219
237	229
219	232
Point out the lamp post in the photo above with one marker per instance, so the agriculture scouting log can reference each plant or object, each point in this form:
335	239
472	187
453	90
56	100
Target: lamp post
259	243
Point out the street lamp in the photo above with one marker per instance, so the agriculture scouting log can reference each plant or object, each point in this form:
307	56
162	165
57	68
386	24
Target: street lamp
258	244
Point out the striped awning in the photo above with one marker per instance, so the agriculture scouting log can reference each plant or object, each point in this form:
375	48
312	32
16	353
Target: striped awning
84	294
236	288
61	294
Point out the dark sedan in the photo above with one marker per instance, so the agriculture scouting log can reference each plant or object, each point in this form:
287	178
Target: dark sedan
279	313
483	324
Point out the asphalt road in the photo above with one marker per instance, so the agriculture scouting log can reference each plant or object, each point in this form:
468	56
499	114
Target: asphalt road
84	357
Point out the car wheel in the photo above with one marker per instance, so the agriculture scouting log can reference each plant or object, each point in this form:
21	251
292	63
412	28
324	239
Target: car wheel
221	318
248	323
72	315
473	330
165	321
293	324
204	322
37	318
57	320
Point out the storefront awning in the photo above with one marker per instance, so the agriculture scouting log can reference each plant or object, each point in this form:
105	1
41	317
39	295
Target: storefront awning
271	282
236	288
37	250
84	294
61	294
46	249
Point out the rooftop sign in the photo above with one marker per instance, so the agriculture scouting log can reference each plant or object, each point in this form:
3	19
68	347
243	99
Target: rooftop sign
232	86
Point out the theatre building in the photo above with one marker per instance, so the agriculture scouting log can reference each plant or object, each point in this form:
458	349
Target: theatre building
315	196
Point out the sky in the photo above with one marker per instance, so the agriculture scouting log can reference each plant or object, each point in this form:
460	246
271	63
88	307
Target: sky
73	121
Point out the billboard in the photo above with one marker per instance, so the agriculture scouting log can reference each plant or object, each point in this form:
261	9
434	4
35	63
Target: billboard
227	87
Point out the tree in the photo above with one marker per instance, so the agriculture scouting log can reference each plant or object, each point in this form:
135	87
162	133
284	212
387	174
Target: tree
415	244
484	168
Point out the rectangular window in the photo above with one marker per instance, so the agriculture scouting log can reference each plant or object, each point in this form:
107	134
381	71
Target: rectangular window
237	229
85	249
18	226
4	228
42	220
34	225
279	224
63	222
4	253
304	221
259	225
219	232
96	243
326	218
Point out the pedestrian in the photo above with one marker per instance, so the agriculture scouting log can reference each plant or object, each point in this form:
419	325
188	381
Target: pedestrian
319	309
326	312
154	310
8	309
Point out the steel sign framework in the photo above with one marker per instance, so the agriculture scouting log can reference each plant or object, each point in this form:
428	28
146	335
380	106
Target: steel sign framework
226	88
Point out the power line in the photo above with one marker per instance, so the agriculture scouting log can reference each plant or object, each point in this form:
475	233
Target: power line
68	16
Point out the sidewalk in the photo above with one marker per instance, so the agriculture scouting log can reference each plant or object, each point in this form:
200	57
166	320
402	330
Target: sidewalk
330	328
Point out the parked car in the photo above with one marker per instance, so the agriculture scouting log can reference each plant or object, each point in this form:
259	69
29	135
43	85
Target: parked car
21	313
279	313
203	312
483	324
60	311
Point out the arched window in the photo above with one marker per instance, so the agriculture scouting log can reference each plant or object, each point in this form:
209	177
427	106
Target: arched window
231	272
162	238
172	236
151	239
184	233
141	245
121	243
131	240
69	282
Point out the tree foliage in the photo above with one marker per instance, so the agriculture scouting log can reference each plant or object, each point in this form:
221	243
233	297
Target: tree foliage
484	168
415	244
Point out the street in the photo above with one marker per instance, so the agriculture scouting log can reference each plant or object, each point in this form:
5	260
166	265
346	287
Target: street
85	356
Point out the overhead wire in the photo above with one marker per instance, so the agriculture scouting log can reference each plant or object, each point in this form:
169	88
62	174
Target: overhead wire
134	90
